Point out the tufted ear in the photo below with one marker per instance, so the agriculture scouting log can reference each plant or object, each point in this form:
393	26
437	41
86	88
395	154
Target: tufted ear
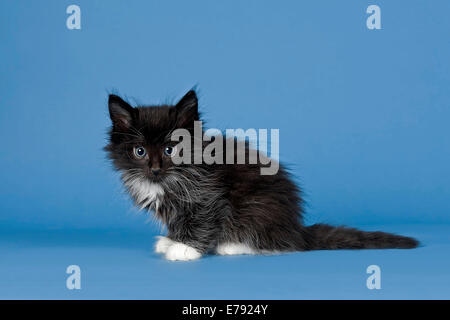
187	109
120	112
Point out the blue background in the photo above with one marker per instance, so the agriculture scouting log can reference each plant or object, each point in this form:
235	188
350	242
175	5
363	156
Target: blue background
363	118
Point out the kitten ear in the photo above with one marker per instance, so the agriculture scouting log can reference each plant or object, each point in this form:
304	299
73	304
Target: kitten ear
121	112
187	109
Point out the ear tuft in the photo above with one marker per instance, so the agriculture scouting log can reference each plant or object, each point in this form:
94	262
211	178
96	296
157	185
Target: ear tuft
187	109
120	112
188	101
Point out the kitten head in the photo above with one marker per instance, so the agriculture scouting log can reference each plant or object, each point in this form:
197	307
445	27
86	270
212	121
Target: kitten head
139	139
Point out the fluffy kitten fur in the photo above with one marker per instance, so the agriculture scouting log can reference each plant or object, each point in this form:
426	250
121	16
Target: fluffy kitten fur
221	208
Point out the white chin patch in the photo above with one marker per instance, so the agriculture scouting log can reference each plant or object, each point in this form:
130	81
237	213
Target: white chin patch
181	252
230	248
145	192
163	244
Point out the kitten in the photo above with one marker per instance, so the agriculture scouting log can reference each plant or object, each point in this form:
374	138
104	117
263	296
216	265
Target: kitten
222	208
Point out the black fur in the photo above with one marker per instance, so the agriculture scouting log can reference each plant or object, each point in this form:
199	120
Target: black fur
205	205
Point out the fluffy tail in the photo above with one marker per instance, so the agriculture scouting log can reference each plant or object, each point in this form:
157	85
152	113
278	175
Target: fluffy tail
326	237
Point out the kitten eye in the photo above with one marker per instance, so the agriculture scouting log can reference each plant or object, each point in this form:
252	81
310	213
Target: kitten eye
139	152
169	151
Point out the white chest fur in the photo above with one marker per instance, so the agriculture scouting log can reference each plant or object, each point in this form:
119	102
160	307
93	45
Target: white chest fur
145	192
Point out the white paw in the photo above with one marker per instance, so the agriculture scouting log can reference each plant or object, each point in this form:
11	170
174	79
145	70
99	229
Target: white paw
163	244
182	252
234	248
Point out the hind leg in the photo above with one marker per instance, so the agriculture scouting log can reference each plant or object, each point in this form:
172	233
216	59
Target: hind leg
231	248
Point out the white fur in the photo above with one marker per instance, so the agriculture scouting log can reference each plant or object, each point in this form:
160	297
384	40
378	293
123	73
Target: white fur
180	251
144	191
163	244
230	248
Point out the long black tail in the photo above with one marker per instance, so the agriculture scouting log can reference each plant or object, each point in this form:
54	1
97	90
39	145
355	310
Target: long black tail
326	237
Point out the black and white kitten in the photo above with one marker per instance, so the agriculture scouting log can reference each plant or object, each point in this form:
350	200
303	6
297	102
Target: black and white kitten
217	208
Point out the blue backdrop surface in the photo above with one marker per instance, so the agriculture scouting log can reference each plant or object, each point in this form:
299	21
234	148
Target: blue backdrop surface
363	118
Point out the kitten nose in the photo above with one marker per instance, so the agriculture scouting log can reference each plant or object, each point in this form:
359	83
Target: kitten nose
156	171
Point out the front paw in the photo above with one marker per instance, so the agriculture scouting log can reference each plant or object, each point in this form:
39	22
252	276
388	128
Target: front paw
182	252
163	244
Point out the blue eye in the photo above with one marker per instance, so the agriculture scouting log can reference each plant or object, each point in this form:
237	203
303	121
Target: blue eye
169	151
139	152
